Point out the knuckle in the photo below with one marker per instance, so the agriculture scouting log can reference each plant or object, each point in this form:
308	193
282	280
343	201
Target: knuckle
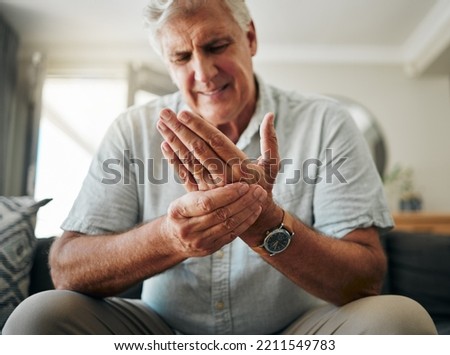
183	175
176	210
172	211
199	147
196	244
216	141
254	173
205	203
215	164
273	137
171	138
232	235
188	159
183	232
229	223
199	169
176	125
222	214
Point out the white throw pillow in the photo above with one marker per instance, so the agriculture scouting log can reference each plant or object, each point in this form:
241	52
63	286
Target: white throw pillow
17	243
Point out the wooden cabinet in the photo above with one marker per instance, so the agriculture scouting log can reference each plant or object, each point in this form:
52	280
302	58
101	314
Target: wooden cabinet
424	222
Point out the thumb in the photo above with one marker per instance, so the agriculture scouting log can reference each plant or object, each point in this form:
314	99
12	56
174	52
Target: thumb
270	158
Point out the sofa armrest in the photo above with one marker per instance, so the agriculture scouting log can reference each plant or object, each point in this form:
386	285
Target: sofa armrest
40	279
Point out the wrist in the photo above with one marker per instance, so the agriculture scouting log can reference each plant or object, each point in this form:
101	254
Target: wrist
277	239
270	218
167	237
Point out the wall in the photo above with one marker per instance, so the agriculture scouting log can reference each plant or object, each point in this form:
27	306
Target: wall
414	115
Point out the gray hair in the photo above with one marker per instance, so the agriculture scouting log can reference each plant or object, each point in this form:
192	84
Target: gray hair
158	12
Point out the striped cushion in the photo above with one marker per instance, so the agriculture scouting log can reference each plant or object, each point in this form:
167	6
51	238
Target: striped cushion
17	241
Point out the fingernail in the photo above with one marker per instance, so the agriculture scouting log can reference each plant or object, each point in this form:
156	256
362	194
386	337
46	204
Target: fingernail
165	114
162	126
259	193
243	188
165	147
183	116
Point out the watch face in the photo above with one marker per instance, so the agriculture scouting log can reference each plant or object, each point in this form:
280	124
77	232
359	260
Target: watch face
277	241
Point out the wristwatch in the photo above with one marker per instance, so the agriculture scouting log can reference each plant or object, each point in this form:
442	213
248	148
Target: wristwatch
278	239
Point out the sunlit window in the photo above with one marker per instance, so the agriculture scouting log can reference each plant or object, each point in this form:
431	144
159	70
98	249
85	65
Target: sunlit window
75	116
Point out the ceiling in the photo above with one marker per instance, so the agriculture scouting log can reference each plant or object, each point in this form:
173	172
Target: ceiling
412	33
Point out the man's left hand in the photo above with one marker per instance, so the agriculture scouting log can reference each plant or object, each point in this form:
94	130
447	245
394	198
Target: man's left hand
205	158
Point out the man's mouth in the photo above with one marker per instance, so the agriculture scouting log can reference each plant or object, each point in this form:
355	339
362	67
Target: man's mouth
213	92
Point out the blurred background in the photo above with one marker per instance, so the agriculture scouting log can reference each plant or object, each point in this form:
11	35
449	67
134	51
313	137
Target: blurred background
68	68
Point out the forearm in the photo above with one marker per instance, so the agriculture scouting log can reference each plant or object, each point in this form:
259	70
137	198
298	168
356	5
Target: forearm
196	224
336	270
105	265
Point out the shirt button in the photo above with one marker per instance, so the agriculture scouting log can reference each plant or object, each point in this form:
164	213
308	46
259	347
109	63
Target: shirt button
220	305
220	254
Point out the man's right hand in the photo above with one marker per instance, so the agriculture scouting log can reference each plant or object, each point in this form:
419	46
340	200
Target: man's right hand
196	224
201	222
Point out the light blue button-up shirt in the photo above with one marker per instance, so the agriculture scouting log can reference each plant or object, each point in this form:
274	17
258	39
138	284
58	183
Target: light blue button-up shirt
328	181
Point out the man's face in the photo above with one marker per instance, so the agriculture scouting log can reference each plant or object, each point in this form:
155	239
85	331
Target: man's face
209	58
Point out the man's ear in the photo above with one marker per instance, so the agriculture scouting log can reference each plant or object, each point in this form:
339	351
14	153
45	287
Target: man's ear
251	37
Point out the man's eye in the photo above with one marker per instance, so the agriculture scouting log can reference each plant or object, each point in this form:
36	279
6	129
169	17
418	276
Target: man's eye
219	48
181	59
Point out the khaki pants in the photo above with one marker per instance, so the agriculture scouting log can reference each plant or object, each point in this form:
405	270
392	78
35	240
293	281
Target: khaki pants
67	312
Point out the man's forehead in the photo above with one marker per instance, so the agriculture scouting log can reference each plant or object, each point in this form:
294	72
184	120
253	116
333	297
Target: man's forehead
179	40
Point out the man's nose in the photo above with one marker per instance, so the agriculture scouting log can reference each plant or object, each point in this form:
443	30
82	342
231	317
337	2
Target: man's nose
204	69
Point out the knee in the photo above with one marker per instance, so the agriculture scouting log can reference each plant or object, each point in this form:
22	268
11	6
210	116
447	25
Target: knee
392	314
47	312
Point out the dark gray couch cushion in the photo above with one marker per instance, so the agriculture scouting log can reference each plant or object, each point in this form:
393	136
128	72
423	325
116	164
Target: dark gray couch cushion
419	267
40	279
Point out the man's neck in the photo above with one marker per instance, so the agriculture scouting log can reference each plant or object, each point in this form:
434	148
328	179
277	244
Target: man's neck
233	130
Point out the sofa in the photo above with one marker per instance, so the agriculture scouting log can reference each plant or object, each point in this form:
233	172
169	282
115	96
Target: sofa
418	267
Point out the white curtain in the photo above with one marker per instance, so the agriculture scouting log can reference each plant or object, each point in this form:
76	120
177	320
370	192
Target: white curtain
9	44
20	106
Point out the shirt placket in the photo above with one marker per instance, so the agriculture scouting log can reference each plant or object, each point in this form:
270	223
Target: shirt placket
220	291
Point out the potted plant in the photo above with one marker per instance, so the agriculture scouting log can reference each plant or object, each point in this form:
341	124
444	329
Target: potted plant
401	179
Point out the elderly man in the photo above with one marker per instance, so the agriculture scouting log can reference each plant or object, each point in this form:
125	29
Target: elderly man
238	247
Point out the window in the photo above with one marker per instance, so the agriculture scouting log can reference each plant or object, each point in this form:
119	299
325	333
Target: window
75	115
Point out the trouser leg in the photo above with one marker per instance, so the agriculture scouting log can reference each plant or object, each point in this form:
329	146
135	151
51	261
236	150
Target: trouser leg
385	314
67	312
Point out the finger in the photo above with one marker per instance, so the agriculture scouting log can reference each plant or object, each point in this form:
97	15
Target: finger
184	174
171	138
270	158
185	157
220	144
191	147
199	203
225	216
242	225
220	235
225	224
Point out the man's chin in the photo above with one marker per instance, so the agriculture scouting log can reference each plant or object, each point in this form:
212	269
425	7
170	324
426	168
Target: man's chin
216	118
